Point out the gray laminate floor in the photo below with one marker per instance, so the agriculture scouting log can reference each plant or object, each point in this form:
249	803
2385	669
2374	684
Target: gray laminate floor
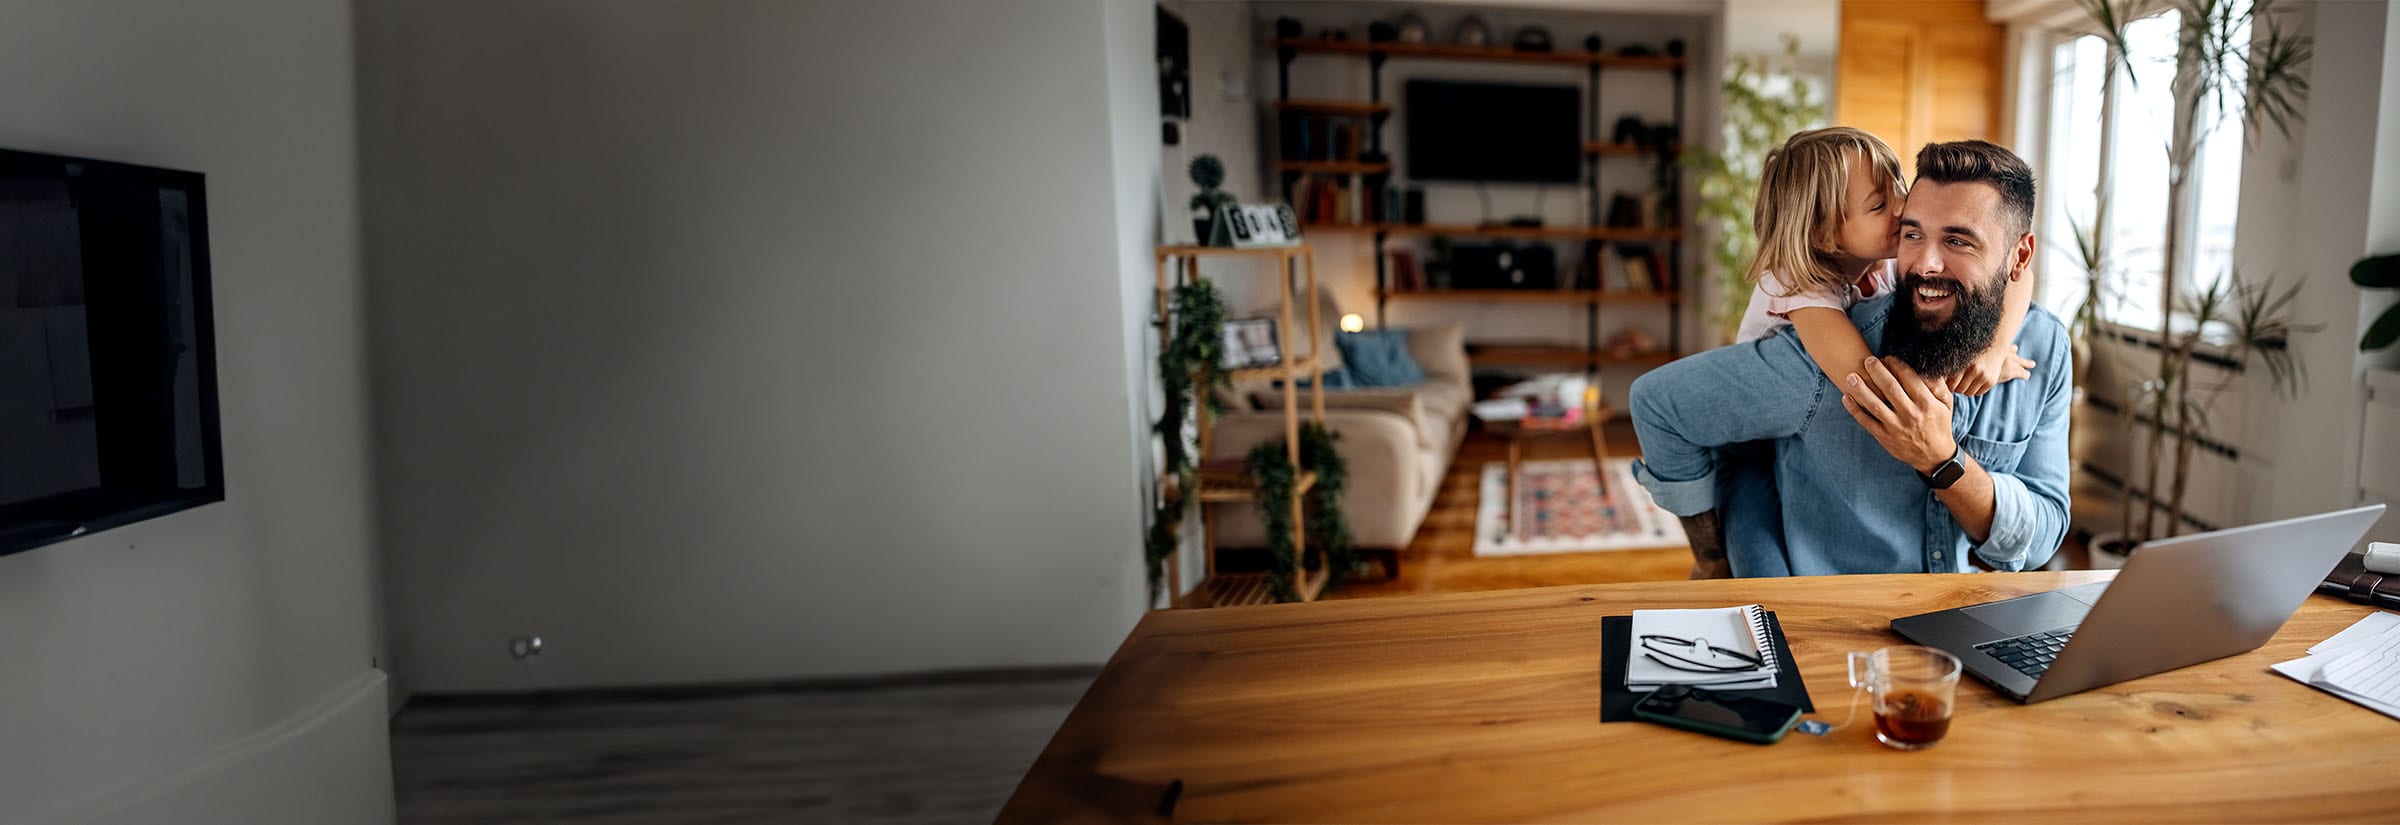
944	751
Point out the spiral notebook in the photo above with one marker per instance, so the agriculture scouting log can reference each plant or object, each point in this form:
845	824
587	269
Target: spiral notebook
1617	701
1655	658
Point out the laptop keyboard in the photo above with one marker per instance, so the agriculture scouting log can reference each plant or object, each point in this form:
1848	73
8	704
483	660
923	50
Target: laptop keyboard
2030	655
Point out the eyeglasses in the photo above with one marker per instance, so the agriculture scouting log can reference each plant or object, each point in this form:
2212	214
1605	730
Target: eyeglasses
1696	655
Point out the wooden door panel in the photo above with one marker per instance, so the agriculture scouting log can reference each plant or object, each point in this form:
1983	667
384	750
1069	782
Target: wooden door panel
1918	72
1965	75
1877	62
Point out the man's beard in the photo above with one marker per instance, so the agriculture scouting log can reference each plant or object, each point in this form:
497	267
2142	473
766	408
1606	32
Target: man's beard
1943	352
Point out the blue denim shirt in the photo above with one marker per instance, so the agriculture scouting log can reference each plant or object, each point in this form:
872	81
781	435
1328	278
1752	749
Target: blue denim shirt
1848	506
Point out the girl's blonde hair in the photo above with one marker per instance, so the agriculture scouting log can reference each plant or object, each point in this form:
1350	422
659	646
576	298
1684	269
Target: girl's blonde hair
1802	192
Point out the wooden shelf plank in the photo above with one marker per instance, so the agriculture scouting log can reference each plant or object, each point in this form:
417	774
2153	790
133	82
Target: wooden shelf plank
1619	296
1249	588
1241	489
1654	62
1532	296
1334	167
1562	356
1300	367
1502	54
1191	251
1596	233
1512	296
1620	149
1351	108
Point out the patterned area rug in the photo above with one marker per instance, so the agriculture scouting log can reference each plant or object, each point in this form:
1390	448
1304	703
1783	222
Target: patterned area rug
1563	511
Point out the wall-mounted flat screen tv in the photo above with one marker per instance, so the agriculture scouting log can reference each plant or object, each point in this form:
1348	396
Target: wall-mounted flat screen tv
108	392
1493	132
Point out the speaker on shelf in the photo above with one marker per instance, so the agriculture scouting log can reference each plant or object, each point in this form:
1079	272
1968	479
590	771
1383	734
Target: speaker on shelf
1630	131
1174	67
1592	44
1505	266
1674	48
1287	28
1412	207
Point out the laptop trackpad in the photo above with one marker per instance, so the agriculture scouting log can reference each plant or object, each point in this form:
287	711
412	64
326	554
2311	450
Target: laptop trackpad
2031	614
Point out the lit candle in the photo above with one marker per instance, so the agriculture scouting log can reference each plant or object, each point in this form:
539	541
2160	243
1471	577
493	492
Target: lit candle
1353	323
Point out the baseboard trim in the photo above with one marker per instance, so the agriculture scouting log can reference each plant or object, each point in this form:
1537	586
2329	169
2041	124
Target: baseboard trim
721	690
367	686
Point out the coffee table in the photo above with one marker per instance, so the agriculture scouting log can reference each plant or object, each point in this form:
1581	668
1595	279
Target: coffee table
1517	432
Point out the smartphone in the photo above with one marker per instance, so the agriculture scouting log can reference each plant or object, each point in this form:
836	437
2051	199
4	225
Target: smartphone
1746	718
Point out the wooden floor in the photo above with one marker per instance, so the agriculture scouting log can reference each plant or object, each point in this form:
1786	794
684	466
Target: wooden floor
926	751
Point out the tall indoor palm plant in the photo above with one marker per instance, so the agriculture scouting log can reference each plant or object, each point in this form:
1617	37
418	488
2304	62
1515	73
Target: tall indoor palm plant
2220	70
1766	101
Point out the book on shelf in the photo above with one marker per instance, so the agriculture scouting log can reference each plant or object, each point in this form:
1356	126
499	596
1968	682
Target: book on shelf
1645	269
1313	137
1403	271
1636	261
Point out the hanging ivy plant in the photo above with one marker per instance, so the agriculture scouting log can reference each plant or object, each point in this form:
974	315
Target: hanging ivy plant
1195	346
1327	529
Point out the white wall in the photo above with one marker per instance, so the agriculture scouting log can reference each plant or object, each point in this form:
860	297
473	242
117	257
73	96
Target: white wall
726	340
2349	165
141	652
1758	27
1228	97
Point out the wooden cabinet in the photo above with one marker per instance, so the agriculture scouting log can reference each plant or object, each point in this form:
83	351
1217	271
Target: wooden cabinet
1919	71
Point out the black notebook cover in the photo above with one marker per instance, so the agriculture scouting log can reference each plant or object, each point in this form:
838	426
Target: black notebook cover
1617	701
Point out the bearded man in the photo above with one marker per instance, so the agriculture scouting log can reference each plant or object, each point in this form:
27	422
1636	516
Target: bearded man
1884	470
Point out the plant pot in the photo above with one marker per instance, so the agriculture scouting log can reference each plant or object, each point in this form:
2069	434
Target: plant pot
1201	226
2109	550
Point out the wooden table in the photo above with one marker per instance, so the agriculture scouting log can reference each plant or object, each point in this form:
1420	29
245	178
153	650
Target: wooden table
1484	707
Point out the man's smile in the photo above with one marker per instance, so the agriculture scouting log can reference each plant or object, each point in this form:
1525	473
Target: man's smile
1934	297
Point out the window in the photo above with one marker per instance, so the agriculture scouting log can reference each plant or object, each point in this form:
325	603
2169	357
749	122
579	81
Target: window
2140	109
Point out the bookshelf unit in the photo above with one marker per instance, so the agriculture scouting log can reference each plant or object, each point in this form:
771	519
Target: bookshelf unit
1373	172
1294	264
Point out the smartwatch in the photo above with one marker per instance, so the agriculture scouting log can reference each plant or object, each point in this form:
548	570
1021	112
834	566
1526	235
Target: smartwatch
1948	473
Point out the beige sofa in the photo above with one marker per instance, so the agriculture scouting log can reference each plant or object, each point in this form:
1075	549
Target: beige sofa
1397	441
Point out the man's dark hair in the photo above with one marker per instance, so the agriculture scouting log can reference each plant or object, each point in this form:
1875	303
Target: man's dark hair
1975	161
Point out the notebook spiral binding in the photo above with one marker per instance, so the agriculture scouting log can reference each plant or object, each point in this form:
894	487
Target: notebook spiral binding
1763	637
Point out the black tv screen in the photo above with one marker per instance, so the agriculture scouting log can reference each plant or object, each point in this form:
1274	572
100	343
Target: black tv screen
1494	132
108	396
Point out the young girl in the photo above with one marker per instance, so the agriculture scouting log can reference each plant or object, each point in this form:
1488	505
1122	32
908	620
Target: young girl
1828	221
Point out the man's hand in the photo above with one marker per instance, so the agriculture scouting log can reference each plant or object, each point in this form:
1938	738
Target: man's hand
1907	414
1707	536
1994	367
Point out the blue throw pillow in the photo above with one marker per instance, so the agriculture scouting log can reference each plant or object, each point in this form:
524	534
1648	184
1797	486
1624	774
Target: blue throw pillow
1379	358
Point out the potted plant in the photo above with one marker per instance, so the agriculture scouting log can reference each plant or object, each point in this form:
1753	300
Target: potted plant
1208	203
1765	104
2216	73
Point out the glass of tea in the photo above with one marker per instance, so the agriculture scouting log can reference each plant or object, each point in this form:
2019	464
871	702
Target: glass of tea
1914	689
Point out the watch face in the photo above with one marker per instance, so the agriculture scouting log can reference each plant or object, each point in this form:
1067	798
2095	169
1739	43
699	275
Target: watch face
1947	474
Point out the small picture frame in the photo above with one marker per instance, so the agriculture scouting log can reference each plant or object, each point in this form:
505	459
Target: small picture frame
1251	343
1257	225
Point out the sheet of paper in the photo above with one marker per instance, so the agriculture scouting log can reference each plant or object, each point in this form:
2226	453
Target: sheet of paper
2375	623
2370	668
2308	670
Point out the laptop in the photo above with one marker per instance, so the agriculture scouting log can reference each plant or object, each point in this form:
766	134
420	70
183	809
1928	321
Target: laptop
2178	601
